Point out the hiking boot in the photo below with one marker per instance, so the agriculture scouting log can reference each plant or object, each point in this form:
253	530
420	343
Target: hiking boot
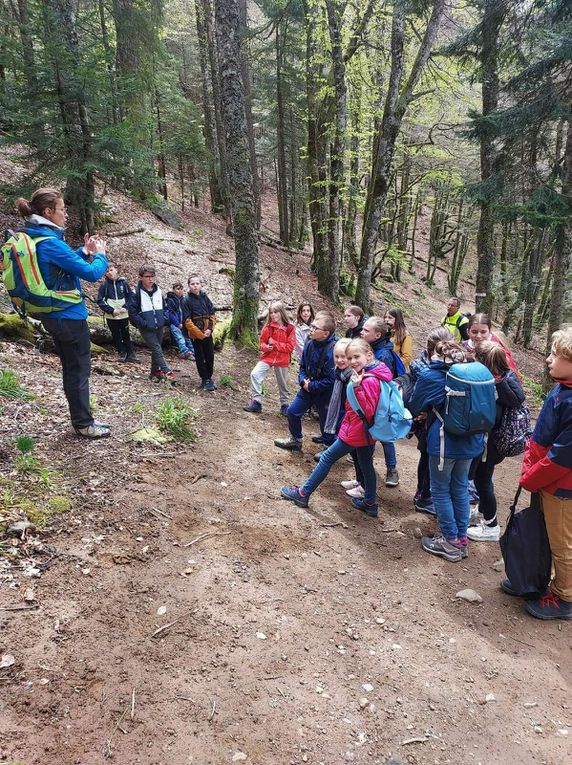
438	545
349	484
550	606
209	385
156	374
392	477
358	491
284	410
292	493
475	517
507	587
96	430
122	357
366	507
317	439
132	358
318	455
291	444
484	533
253	406
424	506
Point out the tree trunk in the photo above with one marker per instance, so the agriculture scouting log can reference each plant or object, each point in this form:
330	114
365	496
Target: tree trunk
214	169
337	174
245	74
108	61
395	107
246	281
280	143
494	12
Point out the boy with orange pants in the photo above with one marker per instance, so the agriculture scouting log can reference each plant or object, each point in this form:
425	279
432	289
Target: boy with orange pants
547	468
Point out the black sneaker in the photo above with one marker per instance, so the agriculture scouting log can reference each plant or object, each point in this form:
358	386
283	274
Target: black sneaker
209	385
507	587
318	439
392	477
290	444
550	606
318	455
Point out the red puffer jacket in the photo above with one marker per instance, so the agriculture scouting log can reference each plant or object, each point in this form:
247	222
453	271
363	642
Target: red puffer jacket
283	342
352	430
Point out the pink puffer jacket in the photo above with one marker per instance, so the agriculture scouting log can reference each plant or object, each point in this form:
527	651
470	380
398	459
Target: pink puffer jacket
352	430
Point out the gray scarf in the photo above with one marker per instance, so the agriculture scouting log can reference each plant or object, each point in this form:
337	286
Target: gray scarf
342	379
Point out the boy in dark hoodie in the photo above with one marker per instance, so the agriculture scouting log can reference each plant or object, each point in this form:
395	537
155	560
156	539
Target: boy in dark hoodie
547	468
113	298
199	320
147	313
174	305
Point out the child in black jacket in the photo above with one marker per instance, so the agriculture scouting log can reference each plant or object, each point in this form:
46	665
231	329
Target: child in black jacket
113	298
199	320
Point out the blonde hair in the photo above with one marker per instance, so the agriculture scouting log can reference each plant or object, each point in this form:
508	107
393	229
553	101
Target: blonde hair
562	343
281	308
342	344
451	352
493	357
359	344
327	320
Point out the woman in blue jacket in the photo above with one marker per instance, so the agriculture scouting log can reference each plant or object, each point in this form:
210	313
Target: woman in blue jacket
61	269
449	481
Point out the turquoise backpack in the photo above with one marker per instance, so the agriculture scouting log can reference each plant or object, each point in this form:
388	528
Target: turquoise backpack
391	420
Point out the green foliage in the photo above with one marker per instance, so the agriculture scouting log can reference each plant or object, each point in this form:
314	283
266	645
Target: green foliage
25	444
227	381
10	388
535	393
174	417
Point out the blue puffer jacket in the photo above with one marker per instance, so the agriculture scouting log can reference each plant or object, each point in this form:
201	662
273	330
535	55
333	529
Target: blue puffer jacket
147	309
322	380
429	394
382	350
174	306
61	267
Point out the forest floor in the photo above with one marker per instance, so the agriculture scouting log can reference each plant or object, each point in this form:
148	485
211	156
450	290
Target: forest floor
181	613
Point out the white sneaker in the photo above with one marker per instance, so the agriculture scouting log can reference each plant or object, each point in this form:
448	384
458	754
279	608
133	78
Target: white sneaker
475	517
484	533
349	484
358	492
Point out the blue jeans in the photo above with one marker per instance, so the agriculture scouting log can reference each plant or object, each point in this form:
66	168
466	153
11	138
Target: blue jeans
390	456
184	344
449	489
302	403
335	452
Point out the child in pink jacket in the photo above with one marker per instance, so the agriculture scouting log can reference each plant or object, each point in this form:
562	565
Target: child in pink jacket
352	434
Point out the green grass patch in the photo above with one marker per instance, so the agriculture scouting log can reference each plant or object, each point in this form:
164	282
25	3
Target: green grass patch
227	382
174	416
11	388
534	393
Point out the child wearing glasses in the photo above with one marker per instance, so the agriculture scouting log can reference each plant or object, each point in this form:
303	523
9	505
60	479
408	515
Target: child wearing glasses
316	379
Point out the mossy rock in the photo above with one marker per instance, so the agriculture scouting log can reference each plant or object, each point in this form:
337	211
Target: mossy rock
98	349
220	333
13	327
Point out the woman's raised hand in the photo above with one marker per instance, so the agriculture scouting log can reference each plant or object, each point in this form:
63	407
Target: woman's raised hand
94	244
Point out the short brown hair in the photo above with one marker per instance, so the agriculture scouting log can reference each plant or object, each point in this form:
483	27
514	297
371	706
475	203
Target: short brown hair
327	320
378	325
355	310
147	268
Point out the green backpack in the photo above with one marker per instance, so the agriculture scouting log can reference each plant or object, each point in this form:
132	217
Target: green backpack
23	280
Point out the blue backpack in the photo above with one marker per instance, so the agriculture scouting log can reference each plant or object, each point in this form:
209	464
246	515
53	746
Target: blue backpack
391	420
398	365
470	406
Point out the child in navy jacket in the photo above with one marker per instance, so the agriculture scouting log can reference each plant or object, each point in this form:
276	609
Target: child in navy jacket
547	468
174	304
113	299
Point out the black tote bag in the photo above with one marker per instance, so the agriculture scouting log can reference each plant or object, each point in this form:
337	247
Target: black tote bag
525	548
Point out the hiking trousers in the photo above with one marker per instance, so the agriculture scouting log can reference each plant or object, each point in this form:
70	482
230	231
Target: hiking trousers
72	343
204	357
154	339
558	517
258	375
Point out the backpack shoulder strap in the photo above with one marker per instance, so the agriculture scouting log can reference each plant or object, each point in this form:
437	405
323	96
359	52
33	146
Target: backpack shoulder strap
323	356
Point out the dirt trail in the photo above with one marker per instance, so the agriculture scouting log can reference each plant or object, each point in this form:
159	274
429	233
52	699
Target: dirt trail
279	618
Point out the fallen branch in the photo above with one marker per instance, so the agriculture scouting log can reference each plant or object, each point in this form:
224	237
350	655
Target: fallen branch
165	515
198	478
108	751
206	535
127	232
133	703
333	525
416	740
213	710
19	608
170	624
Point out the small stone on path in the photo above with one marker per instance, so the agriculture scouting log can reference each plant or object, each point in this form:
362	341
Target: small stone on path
471	596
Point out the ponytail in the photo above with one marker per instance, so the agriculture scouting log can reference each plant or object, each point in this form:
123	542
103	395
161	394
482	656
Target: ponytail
41	198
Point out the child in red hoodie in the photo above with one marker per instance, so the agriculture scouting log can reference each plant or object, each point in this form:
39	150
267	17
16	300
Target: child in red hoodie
352	433
277	341
547	468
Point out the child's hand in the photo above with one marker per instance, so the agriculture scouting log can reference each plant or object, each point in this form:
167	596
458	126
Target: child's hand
208	332
355	379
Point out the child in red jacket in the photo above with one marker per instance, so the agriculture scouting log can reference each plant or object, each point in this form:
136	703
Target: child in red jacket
547	468
277	342
352	434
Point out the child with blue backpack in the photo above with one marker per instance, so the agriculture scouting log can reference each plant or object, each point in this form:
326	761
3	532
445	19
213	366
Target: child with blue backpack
366	378
459	399
376	333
